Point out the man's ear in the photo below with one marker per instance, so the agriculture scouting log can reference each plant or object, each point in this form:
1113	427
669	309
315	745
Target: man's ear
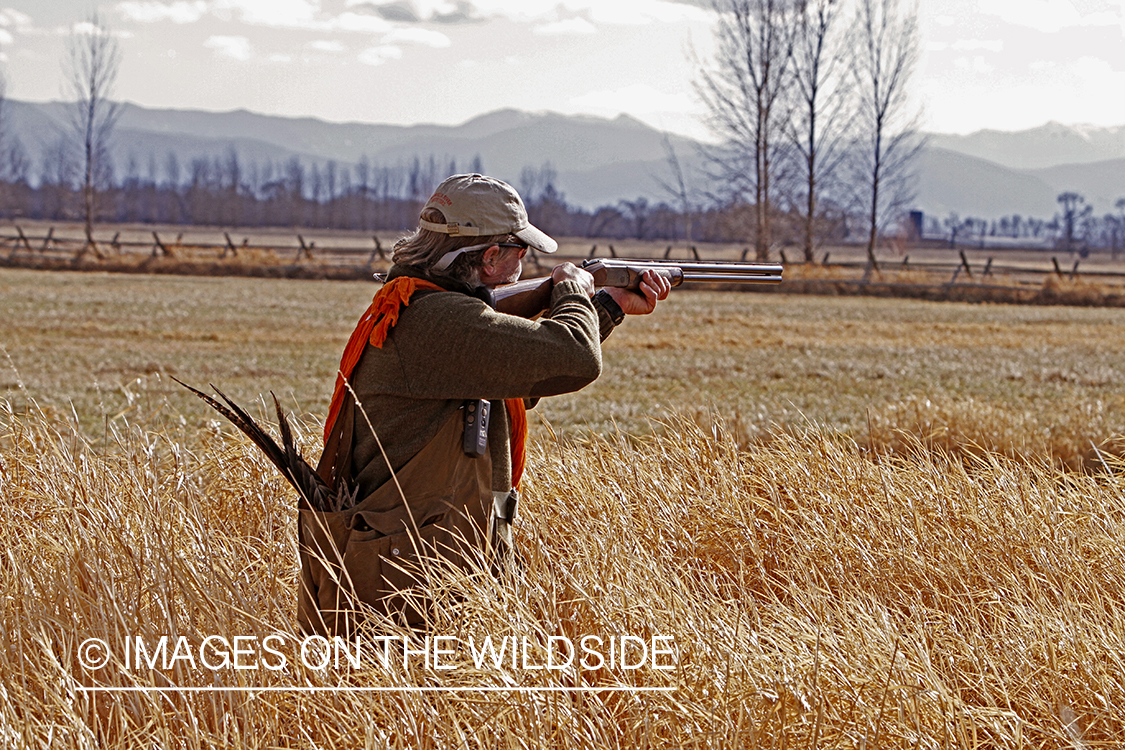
490	256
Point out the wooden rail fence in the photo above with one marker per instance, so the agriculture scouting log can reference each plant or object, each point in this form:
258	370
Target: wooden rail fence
169	253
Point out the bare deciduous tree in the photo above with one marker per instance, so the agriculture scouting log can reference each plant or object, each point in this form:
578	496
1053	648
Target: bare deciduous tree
90	70
743	97
680	187
815	126
886	51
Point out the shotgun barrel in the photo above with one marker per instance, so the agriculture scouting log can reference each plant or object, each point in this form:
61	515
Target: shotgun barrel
626	272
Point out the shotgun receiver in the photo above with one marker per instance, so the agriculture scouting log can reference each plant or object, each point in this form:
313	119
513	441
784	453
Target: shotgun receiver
531	297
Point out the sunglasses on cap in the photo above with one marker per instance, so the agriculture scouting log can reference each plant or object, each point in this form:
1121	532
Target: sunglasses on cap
447	259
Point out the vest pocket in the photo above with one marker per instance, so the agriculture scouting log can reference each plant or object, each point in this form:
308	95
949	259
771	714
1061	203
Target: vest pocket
388	571
350	562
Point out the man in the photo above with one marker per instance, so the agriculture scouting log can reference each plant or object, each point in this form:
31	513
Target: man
427	360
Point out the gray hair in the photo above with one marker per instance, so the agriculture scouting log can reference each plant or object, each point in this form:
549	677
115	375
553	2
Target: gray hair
422	249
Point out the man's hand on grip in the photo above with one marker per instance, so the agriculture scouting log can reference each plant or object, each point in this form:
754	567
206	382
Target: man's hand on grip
571	272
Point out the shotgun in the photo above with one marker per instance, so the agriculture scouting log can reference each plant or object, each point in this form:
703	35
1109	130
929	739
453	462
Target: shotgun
531	297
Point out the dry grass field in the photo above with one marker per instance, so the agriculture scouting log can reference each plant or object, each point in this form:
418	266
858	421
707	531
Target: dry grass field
859	522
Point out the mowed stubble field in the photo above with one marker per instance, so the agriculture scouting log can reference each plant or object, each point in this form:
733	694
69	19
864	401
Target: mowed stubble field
863	523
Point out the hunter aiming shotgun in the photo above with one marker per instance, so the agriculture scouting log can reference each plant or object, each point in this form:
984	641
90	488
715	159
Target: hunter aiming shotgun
527	299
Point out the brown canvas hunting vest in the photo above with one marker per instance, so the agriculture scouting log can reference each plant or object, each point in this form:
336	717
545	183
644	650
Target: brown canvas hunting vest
374	556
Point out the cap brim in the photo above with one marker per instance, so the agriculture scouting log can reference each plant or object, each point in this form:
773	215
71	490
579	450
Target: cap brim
537	239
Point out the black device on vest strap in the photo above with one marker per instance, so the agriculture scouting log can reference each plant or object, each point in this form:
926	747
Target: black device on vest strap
474	439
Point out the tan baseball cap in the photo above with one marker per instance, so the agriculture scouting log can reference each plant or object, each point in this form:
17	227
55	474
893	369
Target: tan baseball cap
475	206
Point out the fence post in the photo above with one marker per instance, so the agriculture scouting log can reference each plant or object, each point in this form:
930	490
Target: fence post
115	243
612	252
23	237
305	249
593	250
965	263
47	240
230	246
988	267
1055	263
695	252
90	245
161	247
1074	271
823	261
668	252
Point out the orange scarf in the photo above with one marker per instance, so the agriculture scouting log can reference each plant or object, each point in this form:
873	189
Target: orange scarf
373	327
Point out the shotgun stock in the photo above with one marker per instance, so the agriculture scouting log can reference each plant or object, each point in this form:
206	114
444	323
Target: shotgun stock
531	297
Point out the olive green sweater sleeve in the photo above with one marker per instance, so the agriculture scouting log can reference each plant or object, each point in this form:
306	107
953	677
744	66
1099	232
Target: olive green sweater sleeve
452	346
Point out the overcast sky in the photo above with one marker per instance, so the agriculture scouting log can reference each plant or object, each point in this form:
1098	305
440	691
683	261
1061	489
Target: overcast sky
1003	64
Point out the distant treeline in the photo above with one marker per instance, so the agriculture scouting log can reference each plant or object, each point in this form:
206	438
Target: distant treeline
227	191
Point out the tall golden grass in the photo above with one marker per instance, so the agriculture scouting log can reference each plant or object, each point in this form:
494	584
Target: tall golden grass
819	593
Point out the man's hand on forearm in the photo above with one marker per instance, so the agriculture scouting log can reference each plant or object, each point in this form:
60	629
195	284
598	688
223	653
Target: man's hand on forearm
654	287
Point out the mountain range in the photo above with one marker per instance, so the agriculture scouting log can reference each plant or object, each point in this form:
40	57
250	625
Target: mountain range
597	161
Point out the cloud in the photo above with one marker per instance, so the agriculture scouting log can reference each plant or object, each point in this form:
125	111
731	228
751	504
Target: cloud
1050	16
569	26
149	11
1089	7
237	47
544	12
976	65
415	11
417	35
397	11
12	17
281	13
379	55
293	14
326	45
359	23
86	28
972	45
632	12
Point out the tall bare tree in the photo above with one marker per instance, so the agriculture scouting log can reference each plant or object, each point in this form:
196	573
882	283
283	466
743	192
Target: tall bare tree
743	95
90	68
679	187
886	51
820	101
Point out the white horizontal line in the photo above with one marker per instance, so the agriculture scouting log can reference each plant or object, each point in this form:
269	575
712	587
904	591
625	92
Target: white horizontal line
484	689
